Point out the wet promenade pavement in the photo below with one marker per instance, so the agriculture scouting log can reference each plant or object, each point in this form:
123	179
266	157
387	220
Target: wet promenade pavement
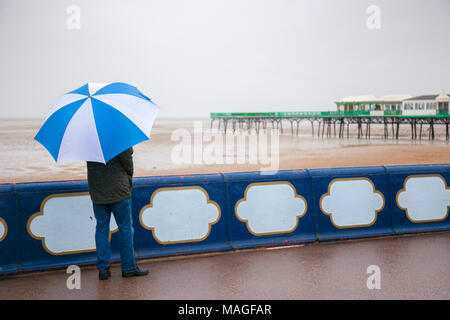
411	267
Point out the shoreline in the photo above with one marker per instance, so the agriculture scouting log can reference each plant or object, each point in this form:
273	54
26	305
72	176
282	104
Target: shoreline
22	159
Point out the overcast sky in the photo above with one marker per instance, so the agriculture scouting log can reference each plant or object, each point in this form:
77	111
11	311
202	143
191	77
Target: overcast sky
193	57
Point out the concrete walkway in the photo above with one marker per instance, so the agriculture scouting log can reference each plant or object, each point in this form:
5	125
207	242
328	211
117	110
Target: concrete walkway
411	267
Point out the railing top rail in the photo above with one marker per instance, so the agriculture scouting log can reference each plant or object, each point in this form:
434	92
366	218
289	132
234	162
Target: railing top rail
327	114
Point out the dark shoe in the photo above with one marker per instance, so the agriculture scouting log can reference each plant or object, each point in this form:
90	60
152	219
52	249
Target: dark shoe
104	274
135	273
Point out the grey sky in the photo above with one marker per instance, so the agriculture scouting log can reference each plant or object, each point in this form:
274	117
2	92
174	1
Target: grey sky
193	57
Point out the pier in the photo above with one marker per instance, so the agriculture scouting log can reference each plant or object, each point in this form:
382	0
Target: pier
335	123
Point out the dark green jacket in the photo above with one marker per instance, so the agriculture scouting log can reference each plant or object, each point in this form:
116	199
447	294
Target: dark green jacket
111	182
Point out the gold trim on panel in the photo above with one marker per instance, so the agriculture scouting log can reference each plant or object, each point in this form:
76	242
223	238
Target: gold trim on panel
275	232
404	190
352	226
41	213
2	221
150	205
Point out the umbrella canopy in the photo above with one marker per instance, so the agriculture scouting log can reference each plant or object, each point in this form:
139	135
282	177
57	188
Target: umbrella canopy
97	122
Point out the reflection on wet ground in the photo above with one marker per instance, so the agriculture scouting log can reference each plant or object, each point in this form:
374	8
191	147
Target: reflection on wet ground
411	267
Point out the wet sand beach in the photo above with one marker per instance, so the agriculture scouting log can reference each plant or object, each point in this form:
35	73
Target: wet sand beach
22	159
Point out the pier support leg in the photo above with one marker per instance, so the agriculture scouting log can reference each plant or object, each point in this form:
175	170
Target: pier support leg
446	131
398	129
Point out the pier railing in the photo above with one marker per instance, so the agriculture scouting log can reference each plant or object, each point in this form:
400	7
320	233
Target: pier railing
50	225
326	114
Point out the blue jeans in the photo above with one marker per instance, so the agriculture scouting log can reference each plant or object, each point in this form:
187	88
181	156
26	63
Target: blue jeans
124	220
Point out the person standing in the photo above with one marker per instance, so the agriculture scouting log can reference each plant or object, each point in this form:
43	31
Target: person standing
110	188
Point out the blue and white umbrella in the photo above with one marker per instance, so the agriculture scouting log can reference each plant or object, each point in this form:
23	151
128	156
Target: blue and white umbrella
97	122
